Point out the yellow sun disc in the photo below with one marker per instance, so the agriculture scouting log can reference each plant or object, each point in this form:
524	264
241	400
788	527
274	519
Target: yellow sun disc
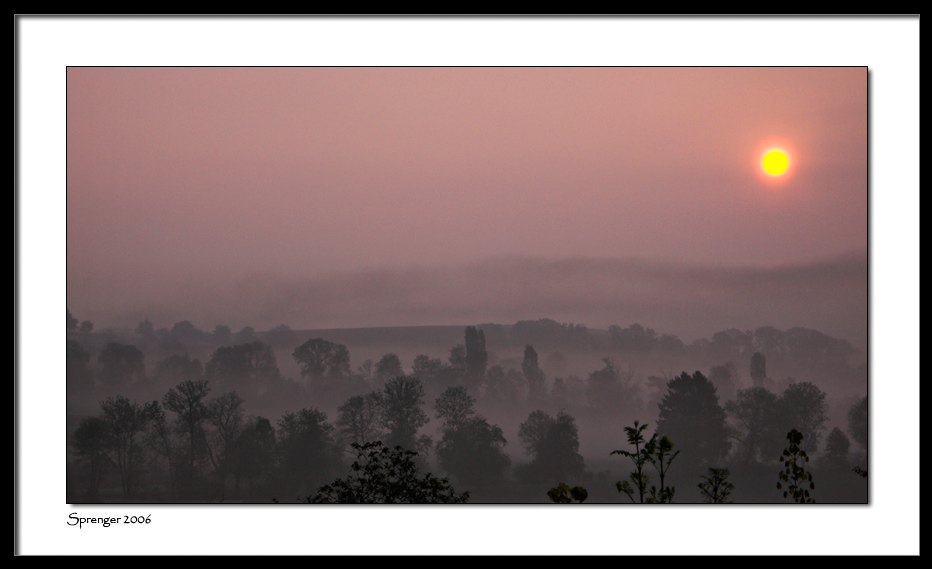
776	162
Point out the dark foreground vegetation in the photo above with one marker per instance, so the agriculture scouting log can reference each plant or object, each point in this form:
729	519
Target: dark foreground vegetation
536	412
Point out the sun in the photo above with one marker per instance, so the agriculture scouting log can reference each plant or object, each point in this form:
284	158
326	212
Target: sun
775	162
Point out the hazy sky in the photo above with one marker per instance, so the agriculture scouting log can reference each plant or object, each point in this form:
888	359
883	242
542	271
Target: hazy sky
184	179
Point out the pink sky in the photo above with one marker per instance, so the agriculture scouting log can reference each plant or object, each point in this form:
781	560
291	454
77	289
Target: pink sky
201	177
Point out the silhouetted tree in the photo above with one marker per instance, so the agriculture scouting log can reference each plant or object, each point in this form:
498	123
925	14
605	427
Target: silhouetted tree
715	488
72	322
281	336
307	453
250	368
670	344
186	400
756	423
690	415
798	482
253	454
91	441
477	358
177	368
456	371
162	438
554	443
401	399
78	375
805	408
222	334
568	393
382	475
426	368
725	380
662	455
501	386
836	448
389	366
610	388
470	448
225	413
120	364
857	422
758	369
533	375
126	422
319	359
640	457
246	335
86	326
634	338
358	419
185	332
146	331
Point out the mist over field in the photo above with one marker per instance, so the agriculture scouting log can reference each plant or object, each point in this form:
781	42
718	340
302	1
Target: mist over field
692	301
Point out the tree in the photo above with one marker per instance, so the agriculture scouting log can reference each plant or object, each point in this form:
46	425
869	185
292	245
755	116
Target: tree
250	368
72	322
635	338
836	448
246	335
307	452
177	368
91	441
456	371
226	414
126	421
715	487
163	440
857	422
358	419
554	443
725	380
610	389
186	400
185	332
146	331
78	375
805	408
477	358
657	451
533	375
798	482
758	369
383	475
86	326
120	364
454	408
426	368
662	456
222	334
470	448
388	366
253	454
533	431
756	422
319	359
690	414
281	336
401	400
501	386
